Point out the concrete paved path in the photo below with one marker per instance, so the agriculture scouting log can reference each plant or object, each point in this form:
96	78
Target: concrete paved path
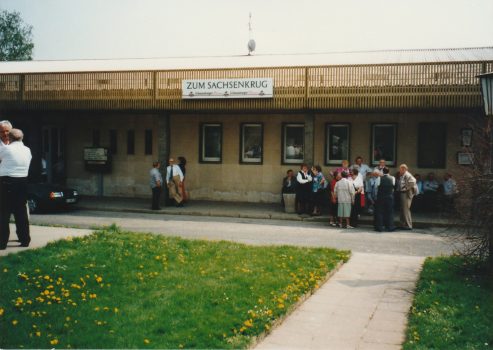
363	306
41	236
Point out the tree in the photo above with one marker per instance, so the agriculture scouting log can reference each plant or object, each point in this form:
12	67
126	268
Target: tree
474	205
15	37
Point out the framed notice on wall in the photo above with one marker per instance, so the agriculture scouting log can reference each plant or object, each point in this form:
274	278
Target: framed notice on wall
465	158
466	137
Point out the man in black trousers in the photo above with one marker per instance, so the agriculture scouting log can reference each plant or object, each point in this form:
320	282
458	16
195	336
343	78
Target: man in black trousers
14	167
384	214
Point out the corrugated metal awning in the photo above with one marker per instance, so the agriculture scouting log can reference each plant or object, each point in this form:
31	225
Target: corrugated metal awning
254	61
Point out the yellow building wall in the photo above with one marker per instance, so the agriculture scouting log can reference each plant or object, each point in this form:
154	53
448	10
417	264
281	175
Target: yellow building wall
232	181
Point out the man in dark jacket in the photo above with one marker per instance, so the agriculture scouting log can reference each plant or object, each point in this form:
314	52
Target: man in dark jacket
384	216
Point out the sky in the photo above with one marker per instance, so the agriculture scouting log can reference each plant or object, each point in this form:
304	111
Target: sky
109	29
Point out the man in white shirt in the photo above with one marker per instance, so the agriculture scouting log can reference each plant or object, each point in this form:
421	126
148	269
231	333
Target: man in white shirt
14	167
174	177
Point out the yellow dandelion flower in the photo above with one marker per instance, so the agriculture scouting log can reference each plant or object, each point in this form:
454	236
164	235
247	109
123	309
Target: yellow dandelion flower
15	322
38	334
54	341
280	306
47	277
99	279
116	310
96	308
92	296
248	323
146	341
67	318
1	311
5	270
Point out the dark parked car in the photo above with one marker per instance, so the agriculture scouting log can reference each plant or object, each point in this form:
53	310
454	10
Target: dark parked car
47	196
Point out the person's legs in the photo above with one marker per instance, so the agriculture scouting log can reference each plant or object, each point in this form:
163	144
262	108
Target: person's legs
17	196
405	217
176	181
4	219
156	193
388	210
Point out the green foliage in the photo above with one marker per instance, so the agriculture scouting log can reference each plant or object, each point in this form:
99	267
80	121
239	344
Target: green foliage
15	37
117	289
453	307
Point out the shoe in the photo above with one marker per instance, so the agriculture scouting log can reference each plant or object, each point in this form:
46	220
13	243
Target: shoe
25	245
332	224
349	226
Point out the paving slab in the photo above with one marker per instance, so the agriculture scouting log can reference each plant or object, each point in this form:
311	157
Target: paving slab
352	310
41	236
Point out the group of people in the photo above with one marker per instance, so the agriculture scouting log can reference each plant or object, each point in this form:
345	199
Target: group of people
175	182
352	188
15	159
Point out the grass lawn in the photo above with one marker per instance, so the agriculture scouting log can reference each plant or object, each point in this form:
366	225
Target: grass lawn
453	308
124	290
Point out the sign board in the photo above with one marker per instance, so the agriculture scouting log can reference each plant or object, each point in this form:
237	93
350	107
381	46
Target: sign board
97	159
227	88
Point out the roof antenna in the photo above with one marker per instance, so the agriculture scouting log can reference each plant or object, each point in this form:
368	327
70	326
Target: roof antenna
251	42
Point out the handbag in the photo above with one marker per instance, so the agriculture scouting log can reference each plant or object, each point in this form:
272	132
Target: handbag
362	200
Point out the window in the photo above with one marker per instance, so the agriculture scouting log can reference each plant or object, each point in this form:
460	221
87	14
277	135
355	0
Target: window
130	142
432	145
336	143
293	143
211	143
148	141
96	138
251	143
383	143
113	141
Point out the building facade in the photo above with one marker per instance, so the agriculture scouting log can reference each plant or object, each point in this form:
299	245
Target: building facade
412	107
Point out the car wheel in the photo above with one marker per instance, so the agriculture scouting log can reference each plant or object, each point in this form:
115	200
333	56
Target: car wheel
33	205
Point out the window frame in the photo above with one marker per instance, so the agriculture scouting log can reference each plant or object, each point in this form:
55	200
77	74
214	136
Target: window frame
328	161
113	141
131	142
252	161
148	142
434	126
284	160
202	158
374	162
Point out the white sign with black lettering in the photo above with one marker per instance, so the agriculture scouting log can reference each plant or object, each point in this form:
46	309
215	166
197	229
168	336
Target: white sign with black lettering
228	88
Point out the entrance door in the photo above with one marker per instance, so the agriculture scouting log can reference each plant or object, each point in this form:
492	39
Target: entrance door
53	154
